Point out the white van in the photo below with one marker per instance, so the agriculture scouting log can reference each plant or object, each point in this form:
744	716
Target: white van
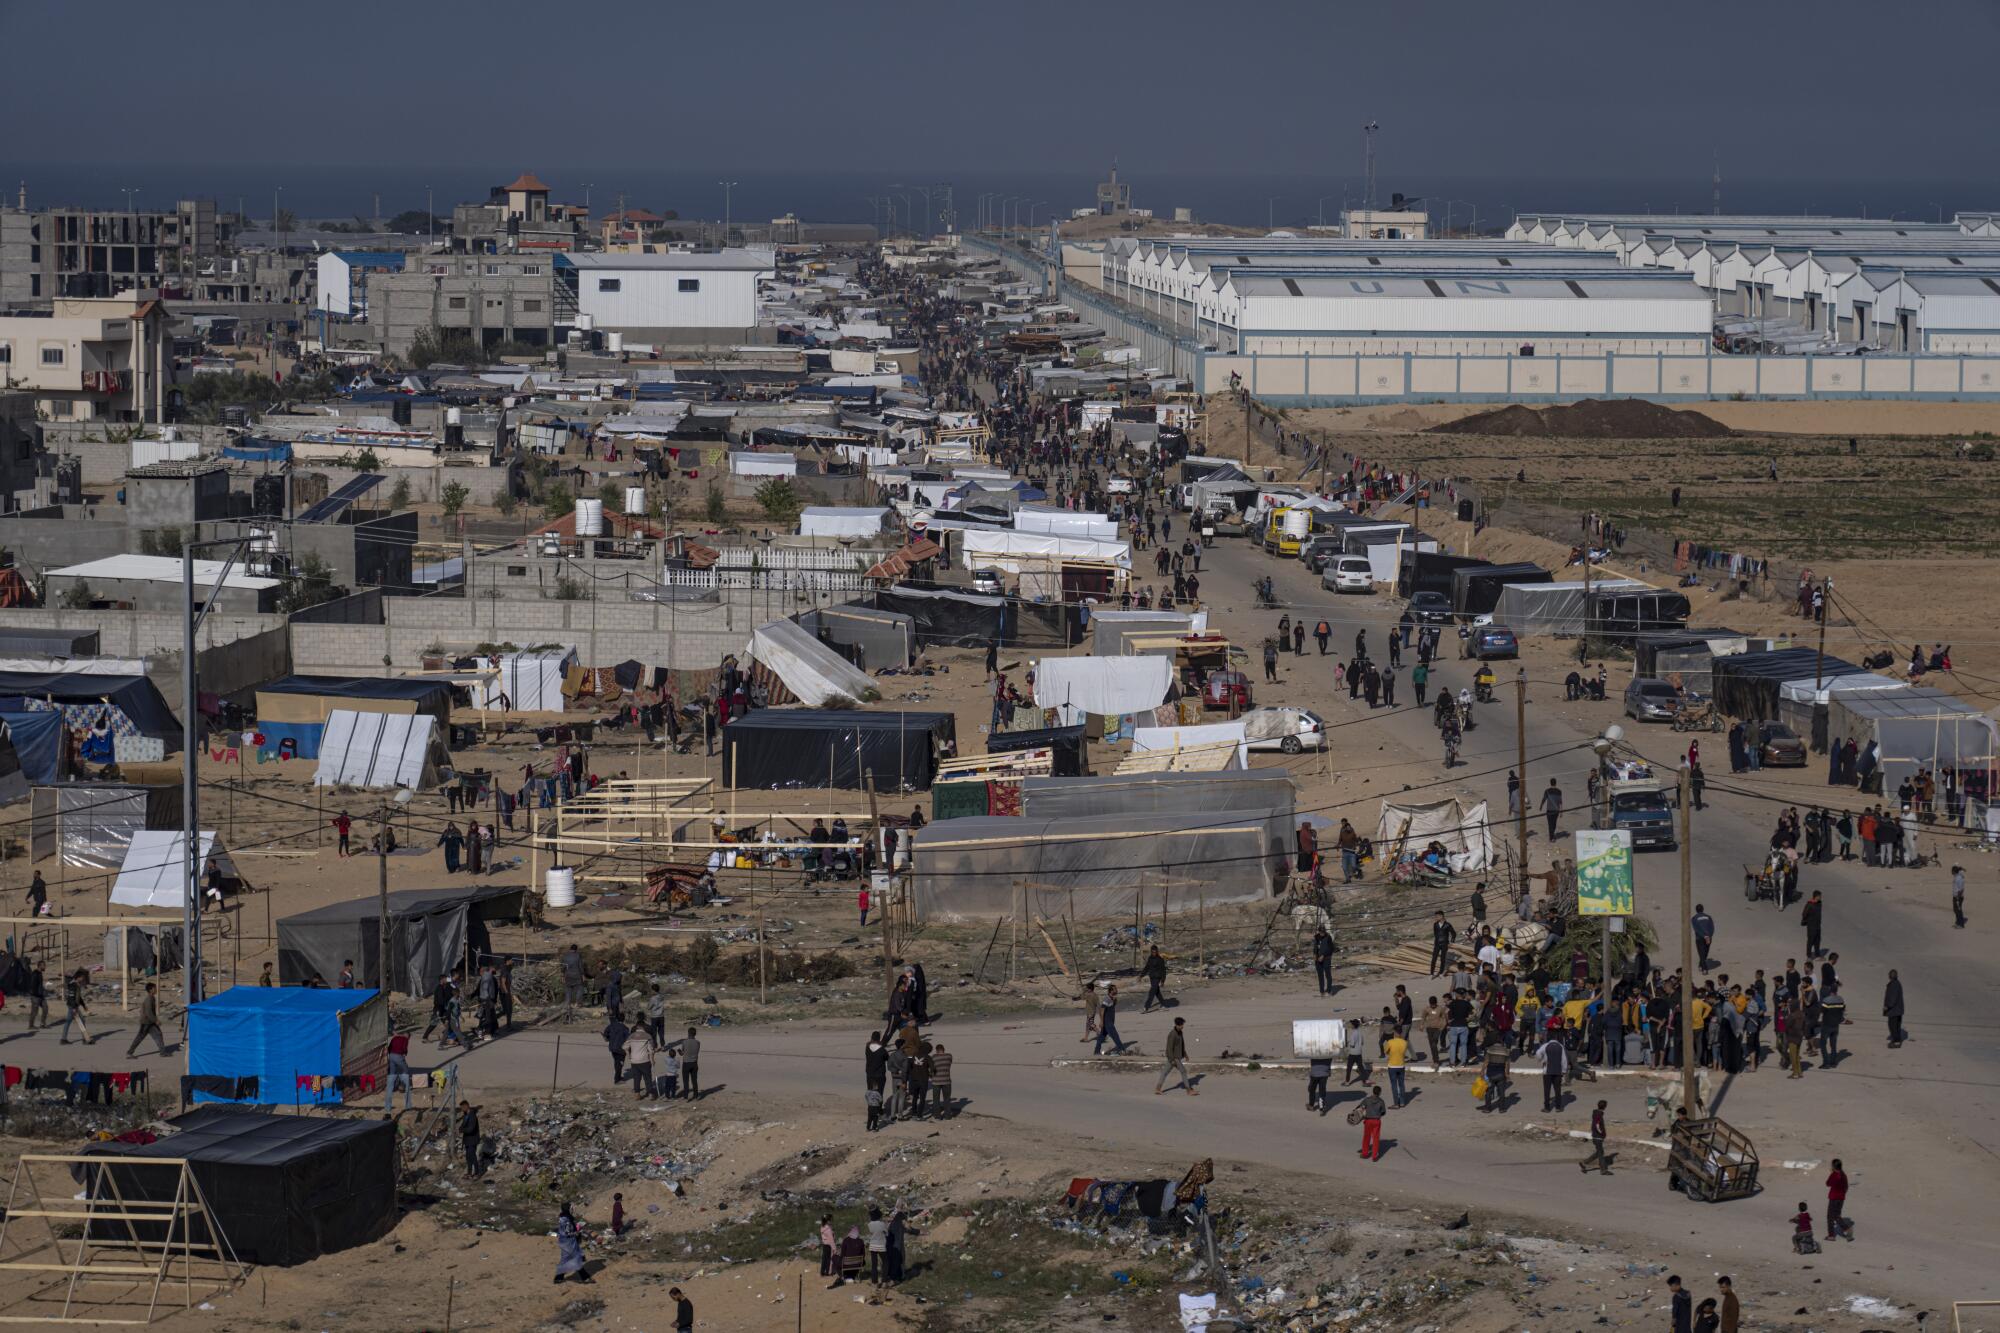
1348	573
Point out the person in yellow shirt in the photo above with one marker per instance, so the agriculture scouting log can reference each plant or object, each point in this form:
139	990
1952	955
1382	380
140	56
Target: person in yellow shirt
1396	1055
1528	1013
1573	1011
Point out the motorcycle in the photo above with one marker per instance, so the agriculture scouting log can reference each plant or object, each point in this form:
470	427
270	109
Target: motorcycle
1482	692
1267	595
1451	749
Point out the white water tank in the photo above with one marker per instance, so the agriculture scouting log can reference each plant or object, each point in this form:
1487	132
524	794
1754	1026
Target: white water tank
1313	1038
559	888
614	343
454	416
635	500
589	518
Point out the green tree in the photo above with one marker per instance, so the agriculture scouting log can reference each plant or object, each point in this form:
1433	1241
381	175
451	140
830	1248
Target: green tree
287	220
309	585
558	500
506	504
779	500
416	222
713	507
399	495
80	596
570	590
434	345
453	496
612	495
365	461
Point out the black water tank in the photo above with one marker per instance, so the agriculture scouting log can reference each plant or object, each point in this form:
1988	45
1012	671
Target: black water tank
399	409
267	496
1465	511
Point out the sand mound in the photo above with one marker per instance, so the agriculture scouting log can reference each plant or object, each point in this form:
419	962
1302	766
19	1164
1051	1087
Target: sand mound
1591	419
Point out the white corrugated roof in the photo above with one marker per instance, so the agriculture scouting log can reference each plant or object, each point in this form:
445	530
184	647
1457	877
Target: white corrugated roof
752	260
165	569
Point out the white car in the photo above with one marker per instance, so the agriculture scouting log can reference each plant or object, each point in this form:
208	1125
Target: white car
1277	727
1348	573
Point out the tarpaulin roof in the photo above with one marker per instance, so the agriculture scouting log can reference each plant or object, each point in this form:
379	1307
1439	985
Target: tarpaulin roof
378	750
13	780
1746	684
37	737
1066	746
1919	727
135	696
429	931
1475	590
815	674
284	1189
1407	828
327	693
276	1033
770	747
1801	691
1213	738
155	870
1106	685
1550	608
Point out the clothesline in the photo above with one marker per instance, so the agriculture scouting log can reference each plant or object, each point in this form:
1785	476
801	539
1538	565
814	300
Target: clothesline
1708	557
95	1086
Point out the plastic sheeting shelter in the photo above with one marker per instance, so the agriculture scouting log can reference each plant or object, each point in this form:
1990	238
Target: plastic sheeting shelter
379	750
1192	797
1619	614
532	682
1914	728
135	705
1009	550
1385	554
430	931
814	673
970	620
1407	828
833	521
1550	608
1430	571
91	824
275	1034
37	739
1211	737
778	747
1108	686
872	639
1066	523
1475	590
1746	685
1067	746
989	866
284	1189
14	780
1803	708
154	873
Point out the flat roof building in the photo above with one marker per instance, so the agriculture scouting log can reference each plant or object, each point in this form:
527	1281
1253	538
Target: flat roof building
674	297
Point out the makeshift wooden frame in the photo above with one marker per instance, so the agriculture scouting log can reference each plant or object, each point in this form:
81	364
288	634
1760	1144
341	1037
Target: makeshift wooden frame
123	925
97	1261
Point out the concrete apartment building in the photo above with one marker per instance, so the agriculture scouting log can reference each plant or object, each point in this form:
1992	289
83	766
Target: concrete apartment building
81	252
102	359
495	298
675	297
515	217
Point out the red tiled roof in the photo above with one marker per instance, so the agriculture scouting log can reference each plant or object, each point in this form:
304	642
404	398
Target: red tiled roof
898	563
527	181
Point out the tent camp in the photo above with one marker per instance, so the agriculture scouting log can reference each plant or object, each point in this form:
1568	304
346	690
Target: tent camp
808	670
533	681
1107	686
833	521
1227	740
123	705
1011	550
154	873
296	708
1407	828
275	1034
1746	685
379	750
1475	590
869	638
986	866
1803	708
92	824
1551	608
1066	523
776	747
970	620
284	1189
1913	728
1618	614
431	931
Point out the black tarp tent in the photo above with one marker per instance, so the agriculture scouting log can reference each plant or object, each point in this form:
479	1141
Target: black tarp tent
1475	589
832	747
1430	571
284	1189
1648	648
1066	746
971	620
1746	684
870	638
1620	614
80	696
430	931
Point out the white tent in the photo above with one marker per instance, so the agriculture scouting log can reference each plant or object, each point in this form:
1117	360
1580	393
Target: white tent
1406	828
763	464
1211	736
1107	685
378	750
809	669
155	869
1807	690
1004	549
533	681
831	521
1065	523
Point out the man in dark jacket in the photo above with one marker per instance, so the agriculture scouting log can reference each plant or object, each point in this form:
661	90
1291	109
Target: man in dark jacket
1155	973
1683	1305
1892	1008
1323	960
1811	916
1442	934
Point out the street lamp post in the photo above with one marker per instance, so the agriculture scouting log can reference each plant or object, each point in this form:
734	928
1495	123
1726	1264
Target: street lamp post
728	187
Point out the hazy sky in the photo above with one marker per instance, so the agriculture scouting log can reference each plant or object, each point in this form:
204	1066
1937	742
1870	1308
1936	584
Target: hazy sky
1782	89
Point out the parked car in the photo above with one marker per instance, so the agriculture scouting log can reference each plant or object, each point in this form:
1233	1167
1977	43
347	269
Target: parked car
988	581
1428	608
1349	573
1275	727
1647	815
1650	699
1319	552
1780	745
1494	641
1226	689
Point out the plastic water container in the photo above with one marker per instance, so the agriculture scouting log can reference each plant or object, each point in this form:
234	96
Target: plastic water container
614	343
635	499
1313	1038
559	888
590	518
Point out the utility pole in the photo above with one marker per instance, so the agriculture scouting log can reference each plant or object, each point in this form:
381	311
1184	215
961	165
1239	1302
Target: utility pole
382	897
1819	662
727	188
1688	1091
1521	762
1583	639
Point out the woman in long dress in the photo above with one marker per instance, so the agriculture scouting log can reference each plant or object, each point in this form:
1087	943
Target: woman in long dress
569	1247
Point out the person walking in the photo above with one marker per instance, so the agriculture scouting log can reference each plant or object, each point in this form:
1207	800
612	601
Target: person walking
1597	1141
1323	960
1958	897
1704	934
1396	1057
1389	687
1155	972
1732	1309
569	1247
1356	1070
1552	806
1176	1059
76	1000
149	1020
1706	1319
1420	680
616	1036
1442	934
1107	1024
1323	632
690	1054
1892	1008
1093	1009
468	1137
1371	1112
1811	916
1495	1075
1555	1059
878	1248
343	825
1836	1203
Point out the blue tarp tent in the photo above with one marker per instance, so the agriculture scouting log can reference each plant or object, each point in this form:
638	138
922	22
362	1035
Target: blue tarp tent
136	705
38	741
280	1034
296	708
